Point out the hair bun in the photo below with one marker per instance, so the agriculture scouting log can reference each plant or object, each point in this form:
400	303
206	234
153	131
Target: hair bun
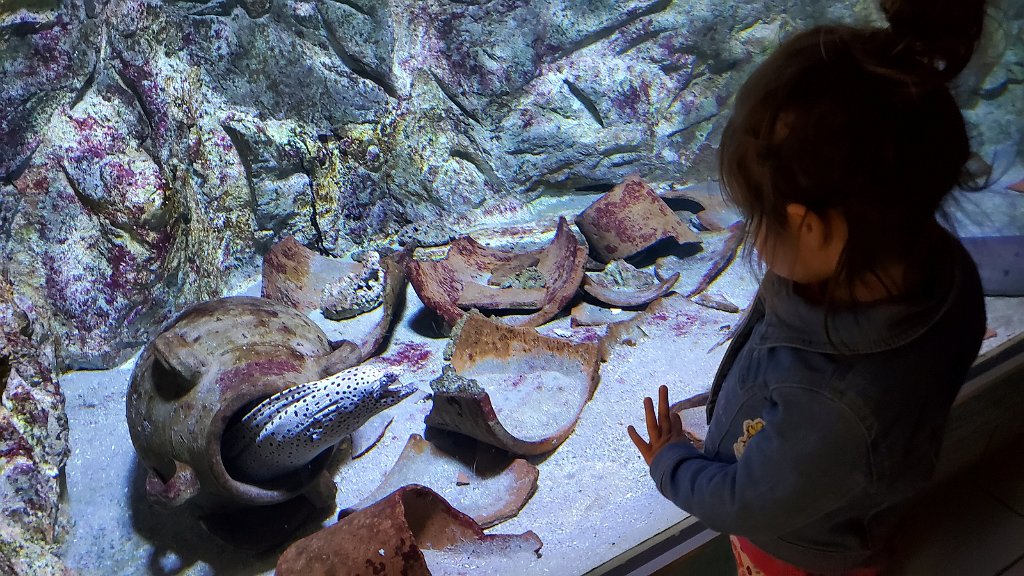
943	33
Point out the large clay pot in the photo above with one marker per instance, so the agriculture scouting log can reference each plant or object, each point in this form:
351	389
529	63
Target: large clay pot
208	366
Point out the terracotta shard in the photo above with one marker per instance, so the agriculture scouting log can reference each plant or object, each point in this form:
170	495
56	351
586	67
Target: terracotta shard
488	498
620	284
1016	186
474	276
697	272
586	314
629	218
717	213
394	298
296	276
512	387
366	437
390	537
716	301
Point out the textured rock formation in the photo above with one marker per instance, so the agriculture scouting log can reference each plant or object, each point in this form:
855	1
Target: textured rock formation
151	151
33	444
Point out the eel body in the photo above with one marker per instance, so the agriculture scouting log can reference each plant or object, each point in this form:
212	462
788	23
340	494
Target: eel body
288	430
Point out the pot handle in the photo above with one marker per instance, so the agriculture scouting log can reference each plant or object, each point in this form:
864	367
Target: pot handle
181	486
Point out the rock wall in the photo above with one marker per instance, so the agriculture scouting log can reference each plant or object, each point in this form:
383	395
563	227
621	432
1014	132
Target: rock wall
151	151
33	442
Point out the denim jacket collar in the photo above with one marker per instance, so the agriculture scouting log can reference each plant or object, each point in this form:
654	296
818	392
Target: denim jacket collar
791	320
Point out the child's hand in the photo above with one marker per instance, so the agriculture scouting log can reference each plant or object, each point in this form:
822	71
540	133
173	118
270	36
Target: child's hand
663	429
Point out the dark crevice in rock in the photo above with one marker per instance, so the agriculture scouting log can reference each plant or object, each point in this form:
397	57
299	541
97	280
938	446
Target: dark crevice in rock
451	96
606	32
91	9
642	39
5	372
130	86
597	187
88	202
586	102
220	8
621	149
314	219
357	66
355	6
22	29
20	167
675	67
525	152
480	164
690	126
86	86
97	210
682	89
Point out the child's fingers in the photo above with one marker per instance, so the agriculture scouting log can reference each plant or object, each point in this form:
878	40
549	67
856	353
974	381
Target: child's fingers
652	420
664	418
677	425
642	446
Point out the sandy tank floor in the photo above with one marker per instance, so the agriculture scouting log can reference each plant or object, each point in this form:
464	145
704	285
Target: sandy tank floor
594	500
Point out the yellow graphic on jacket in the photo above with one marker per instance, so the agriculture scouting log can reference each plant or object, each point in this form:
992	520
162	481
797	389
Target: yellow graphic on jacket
750	427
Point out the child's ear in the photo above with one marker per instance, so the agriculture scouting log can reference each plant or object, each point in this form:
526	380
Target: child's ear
807	225
800	218
827	233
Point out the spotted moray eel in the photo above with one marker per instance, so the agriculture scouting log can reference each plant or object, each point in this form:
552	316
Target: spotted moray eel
289	429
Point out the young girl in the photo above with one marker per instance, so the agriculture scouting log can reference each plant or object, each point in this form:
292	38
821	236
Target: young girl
828	409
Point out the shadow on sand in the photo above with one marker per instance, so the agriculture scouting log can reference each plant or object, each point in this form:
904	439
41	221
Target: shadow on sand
180	540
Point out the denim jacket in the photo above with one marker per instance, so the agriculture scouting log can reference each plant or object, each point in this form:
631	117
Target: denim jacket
818	435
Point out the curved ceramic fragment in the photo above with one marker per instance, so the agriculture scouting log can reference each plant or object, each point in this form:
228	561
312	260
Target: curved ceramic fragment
354	293
629	218
717	214
299	277
697	272
296	276
366	437
716	301
474	276
512	387
620	284
488	499
586	314
390	537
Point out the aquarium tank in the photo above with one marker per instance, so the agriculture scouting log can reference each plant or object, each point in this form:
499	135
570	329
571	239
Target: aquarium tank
377	285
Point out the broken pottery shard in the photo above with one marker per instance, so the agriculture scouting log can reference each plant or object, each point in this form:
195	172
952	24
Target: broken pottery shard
296	276
697	272
474	276
716	301
717	213
620	284
512	387
368	435
390	536
355	293
488	499
629	218
586	314
1016	186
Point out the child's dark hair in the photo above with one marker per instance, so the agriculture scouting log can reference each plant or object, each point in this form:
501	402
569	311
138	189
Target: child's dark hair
861	122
